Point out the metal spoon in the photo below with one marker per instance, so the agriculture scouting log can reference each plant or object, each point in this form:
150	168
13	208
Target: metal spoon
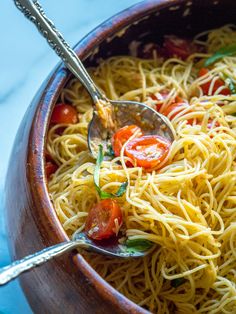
124	112
80	240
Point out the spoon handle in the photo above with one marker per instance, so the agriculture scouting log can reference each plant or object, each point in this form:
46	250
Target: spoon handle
13	270
34	12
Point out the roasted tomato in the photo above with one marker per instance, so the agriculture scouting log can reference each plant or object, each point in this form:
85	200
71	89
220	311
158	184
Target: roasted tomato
100	223
148	151
217	84
64	113
178	47
122	136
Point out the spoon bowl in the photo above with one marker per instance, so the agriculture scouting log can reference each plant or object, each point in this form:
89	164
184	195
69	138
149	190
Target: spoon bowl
110	247
127	113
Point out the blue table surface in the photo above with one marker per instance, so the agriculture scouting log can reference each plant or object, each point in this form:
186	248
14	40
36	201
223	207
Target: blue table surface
25	61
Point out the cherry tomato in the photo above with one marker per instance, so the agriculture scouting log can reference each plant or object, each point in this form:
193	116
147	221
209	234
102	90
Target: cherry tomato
63	113
50	168
148	151
122	136
100	223
160	98
177	106
178	47
218	83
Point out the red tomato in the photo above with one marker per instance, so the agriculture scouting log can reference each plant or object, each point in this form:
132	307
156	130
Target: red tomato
63	113
50	168
177	106
160	98
148	151
218	83
100	223
122	136
178	47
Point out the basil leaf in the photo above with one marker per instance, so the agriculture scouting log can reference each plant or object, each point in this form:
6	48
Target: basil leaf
221	53
138	245
233	114
121	189
175	283
104	195
231	85
109	151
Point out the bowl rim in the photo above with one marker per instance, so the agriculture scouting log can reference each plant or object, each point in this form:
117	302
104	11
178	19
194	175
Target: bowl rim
37	141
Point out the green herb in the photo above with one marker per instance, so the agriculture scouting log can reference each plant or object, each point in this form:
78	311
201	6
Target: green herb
138	245
233	114
175	283
109	151
103	195
221	53
231	85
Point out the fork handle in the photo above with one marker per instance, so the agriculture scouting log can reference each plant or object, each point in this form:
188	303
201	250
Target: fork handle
13	270
34	12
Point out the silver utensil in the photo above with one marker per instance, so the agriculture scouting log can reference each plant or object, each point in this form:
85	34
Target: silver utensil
124	112
80	240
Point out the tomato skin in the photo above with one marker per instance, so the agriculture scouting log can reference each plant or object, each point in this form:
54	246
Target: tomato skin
100	223
178	47
160	98
148	151
218	83
122	136
177	105
64	113
50	168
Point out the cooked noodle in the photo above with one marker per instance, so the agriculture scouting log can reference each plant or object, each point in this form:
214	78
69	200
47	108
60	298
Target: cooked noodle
187	208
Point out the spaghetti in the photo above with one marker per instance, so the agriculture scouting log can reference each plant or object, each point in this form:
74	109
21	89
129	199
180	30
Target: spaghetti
187	208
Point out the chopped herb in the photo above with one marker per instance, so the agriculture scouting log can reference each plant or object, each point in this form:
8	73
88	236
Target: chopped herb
103	195
138	245
175	283
231	85
221	53
109	151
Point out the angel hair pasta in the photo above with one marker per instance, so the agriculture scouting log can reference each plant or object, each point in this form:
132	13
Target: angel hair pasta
185	206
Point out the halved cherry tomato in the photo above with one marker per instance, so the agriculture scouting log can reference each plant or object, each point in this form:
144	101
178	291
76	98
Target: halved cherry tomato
122	136
218	83
50	168
175	107
178	47
64	113
100	223
160	98
148	151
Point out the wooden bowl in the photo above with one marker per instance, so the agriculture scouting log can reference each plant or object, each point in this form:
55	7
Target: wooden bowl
68	284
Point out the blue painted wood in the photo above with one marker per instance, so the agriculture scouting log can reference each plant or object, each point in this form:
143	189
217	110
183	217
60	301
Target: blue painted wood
25	61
